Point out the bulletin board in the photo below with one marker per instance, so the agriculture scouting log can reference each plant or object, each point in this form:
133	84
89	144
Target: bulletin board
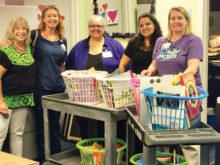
7	12
111	11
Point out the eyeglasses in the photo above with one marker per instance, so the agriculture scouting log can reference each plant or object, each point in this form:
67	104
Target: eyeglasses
95	26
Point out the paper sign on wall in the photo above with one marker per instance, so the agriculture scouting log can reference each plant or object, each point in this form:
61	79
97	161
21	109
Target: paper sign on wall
112	16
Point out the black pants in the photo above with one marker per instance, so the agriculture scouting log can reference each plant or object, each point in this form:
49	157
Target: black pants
53	117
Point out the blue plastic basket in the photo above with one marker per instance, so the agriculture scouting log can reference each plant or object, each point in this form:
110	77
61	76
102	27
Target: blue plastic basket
173	112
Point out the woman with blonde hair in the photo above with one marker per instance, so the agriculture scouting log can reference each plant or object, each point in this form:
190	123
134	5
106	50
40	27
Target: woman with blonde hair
180	51
16	83
49	51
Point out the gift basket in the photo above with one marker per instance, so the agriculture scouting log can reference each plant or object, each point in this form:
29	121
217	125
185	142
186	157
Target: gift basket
116	92
92	151
173	111
81	86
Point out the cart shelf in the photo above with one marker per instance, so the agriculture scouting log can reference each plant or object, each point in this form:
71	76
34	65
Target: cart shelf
204	135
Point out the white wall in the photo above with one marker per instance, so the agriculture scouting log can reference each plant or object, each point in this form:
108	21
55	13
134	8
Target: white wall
7	12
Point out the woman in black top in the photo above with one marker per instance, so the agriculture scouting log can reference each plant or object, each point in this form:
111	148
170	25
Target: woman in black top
139	49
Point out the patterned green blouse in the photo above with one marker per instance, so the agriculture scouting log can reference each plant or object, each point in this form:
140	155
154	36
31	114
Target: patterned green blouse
18	80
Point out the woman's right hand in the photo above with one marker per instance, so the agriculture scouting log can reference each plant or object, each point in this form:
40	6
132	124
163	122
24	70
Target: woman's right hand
4	43
146	73
3	108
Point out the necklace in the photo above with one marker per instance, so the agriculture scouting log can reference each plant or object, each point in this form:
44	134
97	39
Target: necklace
19	50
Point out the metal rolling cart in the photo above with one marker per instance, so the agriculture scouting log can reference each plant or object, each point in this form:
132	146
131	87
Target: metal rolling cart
217	147
110	116
203	136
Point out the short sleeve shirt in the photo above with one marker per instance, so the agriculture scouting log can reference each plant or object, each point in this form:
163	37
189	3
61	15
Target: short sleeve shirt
18	80
48	58
174	59
140	59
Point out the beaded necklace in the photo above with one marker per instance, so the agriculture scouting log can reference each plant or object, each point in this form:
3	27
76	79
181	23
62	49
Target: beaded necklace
19	50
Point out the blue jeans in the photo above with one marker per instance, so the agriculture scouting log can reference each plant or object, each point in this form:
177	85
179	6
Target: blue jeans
54	129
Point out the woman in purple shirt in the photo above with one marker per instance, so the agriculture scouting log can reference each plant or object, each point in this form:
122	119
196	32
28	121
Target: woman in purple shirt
180	51
98	51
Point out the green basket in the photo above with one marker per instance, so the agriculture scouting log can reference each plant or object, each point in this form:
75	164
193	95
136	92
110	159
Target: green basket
97	157
183	161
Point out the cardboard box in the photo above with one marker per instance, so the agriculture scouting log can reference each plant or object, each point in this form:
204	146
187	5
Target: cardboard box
6	158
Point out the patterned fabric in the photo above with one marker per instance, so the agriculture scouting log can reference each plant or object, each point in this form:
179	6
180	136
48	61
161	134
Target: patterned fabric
17	58
19	101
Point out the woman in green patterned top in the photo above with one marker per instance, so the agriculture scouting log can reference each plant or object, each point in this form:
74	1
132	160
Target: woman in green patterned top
16	83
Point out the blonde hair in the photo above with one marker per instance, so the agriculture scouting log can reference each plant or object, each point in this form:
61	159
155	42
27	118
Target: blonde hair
186	15
59	28
12	23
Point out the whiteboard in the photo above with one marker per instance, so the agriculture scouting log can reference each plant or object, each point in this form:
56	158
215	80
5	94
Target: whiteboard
7	12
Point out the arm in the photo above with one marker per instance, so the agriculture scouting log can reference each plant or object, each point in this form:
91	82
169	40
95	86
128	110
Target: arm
3	106
125	60
195	55
151	71
193	65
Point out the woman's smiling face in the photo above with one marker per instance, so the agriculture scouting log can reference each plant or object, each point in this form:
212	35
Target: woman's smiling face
20	32
146	27
177	22
51	18
96	28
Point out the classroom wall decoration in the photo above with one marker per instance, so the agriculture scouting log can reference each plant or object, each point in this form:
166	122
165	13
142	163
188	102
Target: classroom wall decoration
103	10
112	17
111	11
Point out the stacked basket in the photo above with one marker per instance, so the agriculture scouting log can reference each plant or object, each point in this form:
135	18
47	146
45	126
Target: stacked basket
82	86
116	92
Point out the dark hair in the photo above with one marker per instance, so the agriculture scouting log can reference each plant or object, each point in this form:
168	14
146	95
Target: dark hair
138	41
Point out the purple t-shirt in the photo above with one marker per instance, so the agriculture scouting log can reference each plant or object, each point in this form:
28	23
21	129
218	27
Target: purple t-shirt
173	57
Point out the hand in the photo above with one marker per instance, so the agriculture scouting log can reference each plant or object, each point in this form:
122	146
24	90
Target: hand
146	73
3	108
4	43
